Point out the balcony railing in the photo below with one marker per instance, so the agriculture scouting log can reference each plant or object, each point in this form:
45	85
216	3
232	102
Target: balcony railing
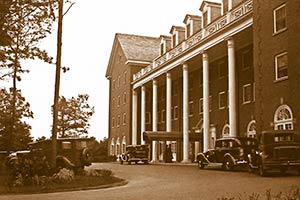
213	28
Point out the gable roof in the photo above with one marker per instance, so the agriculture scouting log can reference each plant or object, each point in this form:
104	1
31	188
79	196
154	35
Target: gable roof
136	48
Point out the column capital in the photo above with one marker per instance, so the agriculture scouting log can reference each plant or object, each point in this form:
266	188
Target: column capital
230	42
185	65
204	56
154	81
143	87
168	74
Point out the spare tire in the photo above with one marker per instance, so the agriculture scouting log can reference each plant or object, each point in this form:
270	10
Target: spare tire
86	156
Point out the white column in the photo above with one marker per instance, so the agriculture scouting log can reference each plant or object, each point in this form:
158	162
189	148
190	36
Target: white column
143	112
168	102
185	113
232	88
154	119
134	117
206	121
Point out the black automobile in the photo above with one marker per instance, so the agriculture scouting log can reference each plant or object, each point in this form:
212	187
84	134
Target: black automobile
135	153
278	150
228	153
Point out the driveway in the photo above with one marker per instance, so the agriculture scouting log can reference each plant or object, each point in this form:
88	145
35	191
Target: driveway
173	181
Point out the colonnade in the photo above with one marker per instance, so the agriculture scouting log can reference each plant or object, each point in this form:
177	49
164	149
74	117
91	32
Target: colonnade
206	110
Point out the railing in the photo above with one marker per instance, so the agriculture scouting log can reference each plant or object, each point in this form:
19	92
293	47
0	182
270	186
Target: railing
213	28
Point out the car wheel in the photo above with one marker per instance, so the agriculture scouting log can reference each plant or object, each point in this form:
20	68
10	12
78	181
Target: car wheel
201	165
227	164
261	169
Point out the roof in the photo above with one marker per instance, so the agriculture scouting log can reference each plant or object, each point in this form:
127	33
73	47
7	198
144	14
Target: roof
193	17
136	48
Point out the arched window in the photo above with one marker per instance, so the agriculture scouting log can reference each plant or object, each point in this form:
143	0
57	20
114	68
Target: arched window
251	129
225	130
283	118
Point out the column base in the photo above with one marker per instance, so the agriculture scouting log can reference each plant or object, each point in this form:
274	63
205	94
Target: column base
154	161
186	161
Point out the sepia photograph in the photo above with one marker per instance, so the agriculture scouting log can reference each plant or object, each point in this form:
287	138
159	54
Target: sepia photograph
149	100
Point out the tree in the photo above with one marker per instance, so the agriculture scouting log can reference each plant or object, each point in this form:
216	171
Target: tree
21	136
26	23
73	116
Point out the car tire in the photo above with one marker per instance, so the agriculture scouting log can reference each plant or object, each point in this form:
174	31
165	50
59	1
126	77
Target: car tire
261	169
228	164
201	165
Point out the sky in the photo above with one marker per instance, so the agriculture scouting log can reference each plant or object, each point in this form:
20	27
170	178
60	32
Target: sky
88	32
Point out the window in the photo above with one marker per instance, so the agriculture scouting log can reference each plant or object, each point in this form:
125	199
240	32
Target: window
201	105
163	116
279	15
176	112
247	93
222	100
188	30
225	130
113	122
124	98
283	118
162	51
174	43
124	118
247	59
281	66
118	121
205	19
125	77
225	6
66	145
119	101
251	129
191	108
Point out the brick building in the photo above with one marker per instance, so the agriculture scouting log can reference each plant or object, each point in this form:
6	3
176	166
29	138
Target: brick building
231	71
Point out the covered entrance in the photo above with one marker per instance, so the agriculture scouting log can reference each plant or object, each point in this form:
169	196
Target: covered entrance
175	139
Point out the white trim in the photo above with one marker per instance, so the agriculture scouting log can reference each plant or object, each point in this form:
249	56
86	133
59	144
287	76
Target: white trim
275	19
137	62
283	122
203	47
251	133
276	66
244	87
223	130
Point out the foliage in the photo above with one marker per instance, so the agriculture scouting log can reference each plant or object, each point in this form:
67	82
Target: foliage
21	136
73	116
26	23
292	194
64	176
105	173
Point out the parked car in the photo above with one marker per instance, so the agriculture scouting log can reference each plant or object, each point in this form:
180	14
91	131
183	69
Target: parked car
73	153
229	152
278	149
135	153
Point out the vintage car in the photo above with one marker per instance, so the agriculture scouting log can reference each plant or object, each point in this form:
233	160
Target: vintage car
135	153
228	153
73	153
278	149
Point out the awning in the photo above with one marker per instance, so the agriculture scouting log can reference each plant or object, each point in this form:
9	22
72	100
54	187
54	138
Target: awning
170	136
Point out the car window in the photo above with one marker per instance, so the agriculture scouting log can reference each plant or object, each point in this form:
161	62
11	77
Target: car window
283	138
218	144
66	145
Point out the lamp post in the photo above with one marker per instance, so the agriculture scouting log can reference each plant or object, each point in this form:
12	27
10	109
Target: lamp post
57	81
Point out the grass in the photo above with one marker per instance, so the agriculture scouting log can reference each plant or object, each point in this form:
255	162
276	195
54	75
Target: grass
80	182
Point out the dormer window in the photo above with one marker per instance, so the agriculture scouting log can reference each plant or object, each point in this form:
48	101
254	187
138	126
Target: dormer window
210	11
165	44
193	24
225	6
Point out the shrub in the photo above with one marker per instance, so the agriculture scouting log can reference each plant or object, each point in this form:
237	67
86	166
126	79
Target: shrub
105	173
63	176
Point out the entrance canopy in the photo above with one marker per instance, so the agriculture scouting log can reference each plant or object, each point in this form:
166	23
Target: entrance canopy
170	136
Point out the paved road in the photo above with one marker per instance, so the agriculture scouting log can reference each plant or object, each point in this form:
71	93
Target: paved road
175	182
